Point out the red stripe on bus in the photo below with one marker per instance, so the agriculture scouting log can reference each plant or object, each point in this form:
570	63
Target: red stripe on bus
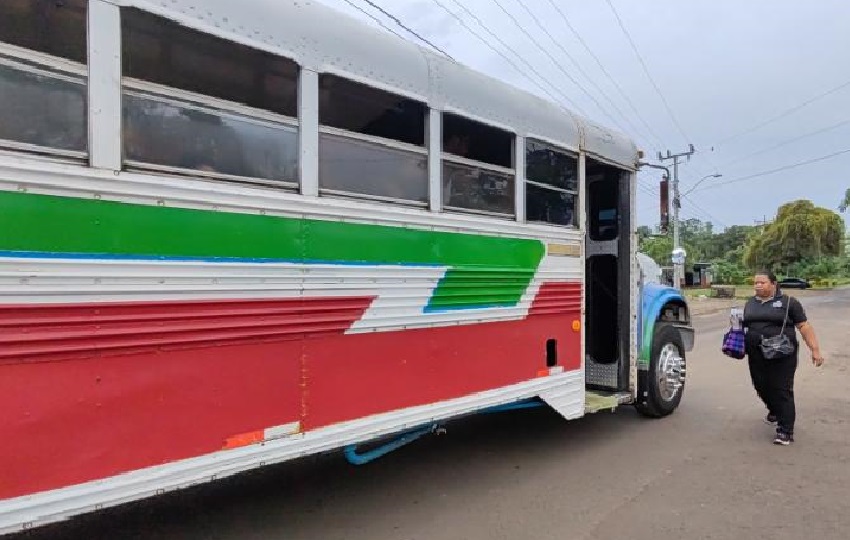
557	298
32	332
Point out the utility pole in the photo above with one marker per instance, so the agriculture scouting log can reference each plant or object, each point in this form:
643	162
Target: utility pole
678	255
667	177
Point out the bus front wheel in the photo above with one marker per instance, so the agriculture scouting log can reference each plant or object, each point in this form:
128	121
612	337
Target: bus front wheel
660	387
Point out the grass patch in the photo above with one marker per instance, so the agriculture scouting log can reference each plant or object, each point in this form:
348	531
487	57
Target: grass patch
830	283
693	293
741	292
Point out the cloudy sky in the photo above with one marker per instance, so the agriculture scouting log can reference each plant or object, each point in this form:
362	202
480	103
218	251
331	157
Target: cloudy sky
754	85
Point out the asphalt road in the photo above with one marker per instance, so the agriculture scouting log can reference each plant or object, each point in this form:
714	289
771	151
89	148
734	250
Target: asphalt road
708	471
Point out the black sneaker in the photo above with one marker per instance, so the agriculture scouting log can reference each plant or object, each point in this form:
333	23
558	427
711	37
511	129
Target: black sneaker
770	419
782	438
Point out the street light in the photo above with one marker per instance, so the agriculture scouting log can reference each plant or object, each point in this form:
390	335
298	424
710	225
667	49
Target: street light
701	180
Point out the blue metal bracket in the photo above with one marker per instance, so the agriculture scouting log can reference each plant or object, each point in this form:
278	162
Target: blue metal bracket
527	404
356	458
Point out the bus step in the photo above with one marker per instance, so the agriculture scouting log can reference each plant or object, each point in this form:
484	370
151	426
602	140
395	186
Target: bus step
601	401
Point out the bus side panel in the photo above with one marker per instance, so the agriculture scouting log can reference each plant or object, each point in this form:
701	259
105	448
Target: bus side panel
78	411
352	376
88	391
73	421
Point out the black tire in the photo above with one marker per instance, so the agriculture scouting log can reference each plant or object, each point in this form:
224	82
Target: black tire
655	400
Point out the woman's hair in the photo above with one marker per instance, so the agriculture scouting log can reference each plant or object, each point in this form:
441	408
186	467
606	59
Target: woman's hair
767	273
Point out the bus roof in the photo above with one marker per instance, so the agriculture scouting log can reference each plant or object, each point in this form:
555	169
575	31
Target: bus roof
325	40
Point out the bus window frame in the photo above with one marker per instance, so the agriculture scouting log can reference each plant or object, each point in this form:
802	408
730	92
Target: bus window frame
412	149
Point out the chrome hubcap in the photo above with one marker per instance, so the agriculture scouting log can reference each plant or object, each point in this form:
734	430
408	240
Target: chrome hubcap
670	372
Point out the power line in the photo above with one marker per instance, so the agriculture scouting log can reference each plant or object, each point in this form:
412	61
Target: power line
508	60
778	169
401	24
576	64
786	143
554	61
701	180
688	180
374	18
646	71
613	81
784	113
704	212
646	189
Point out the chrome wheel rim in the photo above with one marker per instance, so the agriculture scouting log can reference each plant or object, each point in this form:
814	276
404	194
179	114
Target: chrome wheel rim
670	372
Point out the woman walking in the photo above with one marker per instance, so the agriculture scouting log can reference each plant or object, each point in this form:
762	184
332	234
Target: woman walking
768	316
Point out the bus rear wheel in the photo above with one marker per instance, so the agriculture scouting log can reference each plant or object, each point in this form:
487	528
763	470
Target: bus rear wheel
660	387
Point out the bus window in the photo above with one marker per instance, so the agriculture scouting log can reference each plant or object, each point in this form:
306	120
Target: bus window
43	76
214	106
478	173
371	142
47	26
604	186
212	141
551	178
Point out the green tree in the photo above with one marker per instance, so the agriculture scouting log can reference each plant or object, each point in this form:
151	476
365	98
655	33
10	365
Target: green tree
729	244
659	248
696	237
823	268
729	273
801	231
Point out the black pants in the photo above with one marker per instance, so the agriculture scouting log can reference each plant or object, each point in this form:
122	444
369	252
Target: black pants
774	384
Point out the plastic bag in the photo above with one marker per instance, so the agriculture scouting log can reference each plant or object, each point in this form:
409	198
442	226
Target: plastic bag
733	343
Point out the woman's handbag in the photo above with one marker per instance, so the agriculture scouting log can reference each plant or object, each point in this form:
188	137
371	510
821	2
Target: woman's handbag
778	346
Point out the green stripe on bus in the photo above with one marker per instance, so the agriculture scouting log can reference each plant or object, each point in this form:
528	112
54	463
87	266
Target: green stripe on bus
483	270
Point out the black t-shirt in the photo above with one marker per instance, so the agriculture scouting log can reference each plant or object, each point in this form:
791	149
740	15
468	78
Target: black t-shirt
764	318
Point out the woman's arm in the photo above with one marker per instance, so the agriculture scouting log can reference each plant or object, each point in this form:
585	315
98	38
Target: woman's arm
808	333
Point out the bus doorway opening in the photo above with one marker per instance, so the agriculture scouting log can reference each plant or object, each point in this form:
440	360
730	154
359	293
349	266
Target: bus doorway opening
608	298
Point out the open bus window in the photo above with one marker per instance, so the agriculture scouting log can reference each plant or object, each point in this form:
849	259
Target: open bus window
551	194
477	142
478	171
46	26
215	106
362	109
372	142
161	51
43	76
